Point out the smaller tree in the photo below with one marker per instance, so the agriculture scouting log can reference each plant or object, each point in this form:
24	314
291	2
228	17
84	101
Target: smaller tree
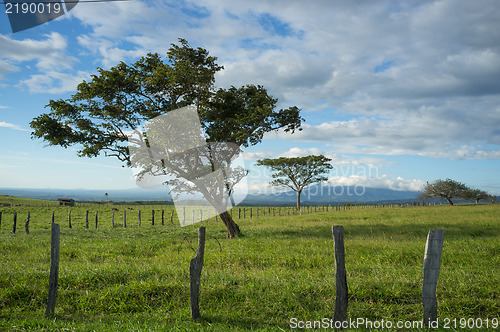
447	189
297	173
476	194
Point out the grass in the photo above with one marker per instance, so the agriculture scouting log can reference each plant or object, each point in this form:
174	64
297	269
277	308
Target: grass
137	278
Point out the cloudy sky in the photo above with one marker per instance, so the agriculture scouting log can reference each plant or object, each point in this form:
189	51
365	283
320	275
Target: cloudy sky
396	93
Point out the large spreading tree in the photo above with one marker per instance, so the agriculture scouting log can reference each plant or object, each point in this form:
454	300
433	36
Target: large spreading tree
298	172
118	100
447	189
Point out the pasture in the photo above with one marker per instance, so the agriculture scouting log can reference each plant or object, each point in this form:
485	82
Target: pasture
281	271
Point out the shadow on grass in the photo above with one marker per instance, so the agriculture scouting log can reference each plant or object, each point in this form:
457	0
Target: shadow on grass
240	323
410	230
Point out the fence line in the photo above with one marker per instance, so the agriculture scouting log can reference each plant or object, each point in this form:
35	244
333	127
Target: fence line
242	213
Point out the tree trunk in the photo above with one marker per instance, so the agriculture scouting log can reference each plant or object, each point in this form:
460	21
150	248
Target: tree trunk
232	228
449	201
477	201
298	199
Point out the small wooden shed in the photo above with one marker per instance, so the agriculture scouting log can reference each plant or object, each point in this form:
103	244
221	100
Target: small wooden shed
66	201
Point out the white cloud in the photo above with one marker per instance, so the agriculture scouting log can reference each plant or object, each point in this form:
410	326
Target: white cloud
51	59
11	126
49	53
256	155
54	82
466	135
383	181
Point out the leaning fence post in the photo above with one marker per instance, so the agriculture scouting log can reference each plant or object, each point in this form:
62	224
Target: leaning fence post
432	262
195	274
27	225
340	313
54	269
69	218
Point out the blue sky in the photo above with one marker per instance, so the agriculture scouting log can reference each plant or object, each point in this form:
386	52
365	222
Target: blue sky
397	93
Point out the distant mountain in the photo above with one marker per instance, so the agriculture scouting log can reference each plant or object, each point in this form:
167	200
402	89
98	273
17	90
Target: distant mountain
315	195
128	195
321	194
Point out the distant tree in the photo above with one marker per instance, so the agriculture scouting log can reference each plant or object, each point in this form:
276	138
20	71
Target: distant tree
297	173
116	101
476	194
492	198
447	189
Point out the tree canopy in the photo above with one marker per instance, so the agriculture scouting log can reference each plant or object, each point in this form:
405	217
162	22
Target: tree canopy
476	194
450	189
99	116
447	189
298	172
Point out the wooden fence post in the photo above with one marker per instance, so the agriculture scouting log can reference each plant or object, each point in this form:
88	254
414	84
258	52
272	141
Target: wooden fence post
54	269
125	219
195	274
113	219
14	226
153	217
172	218
96	219
69	218
0	218
139	216
340	313
87	219
163	217
432	262
27	225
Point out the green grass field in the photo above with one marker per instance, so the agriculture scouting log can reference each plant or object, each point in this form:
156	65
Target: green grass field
281	271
